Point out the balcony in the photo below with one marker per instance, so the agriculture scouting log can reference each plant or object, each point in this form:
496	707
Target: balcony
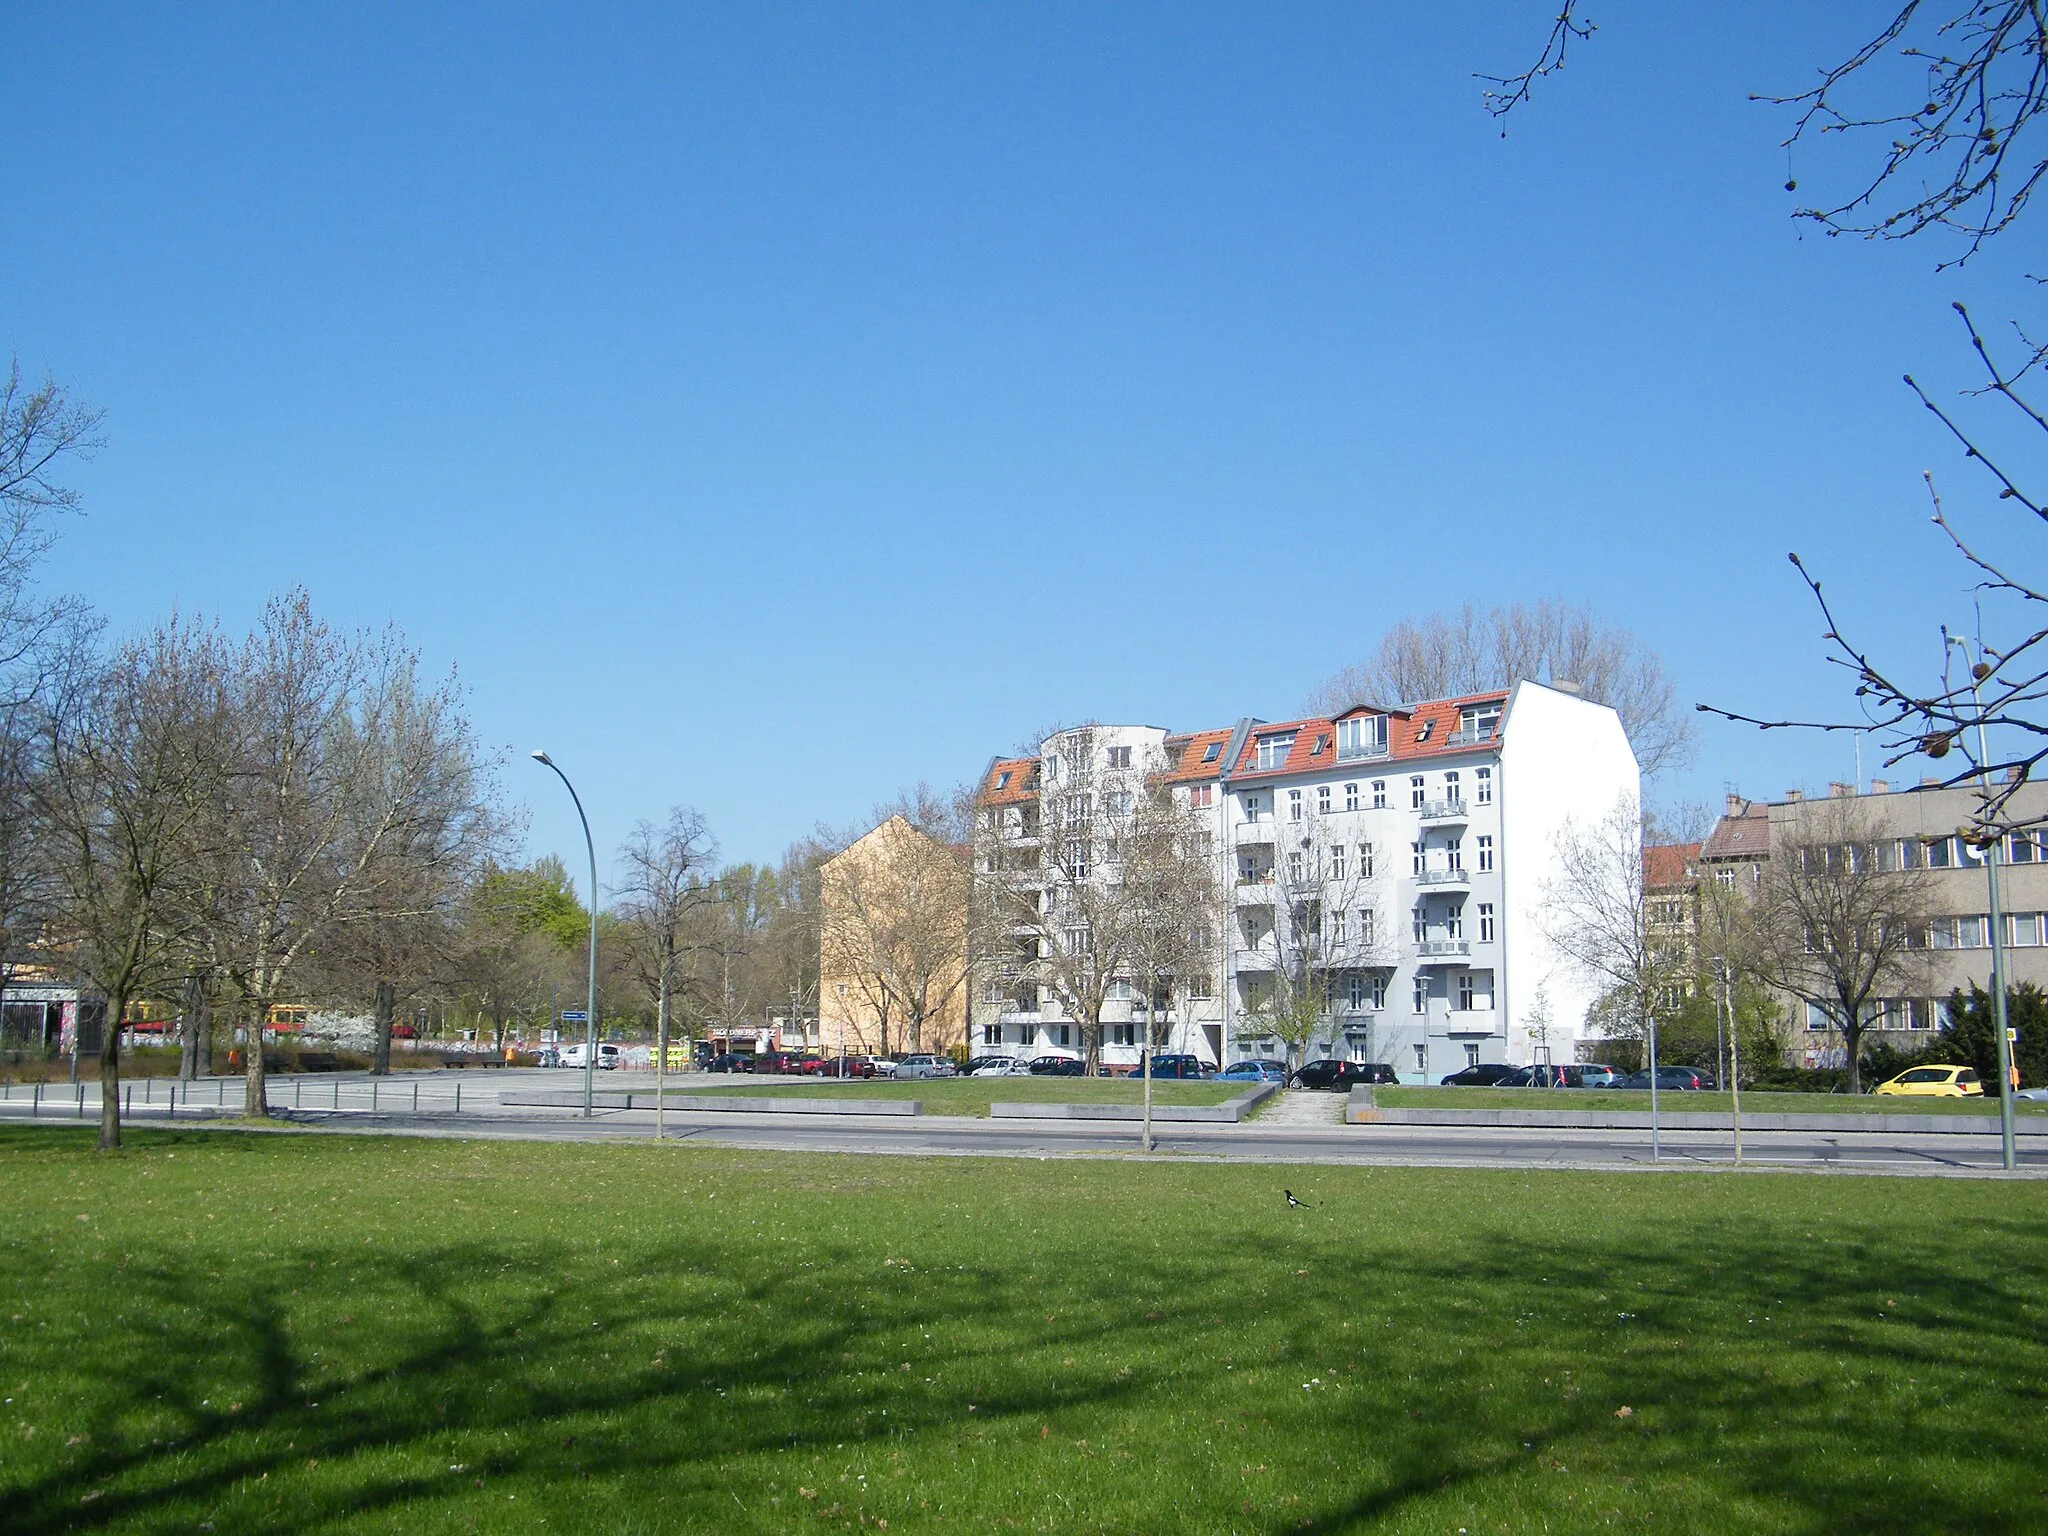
1370	753
1445	879
1478	736
1255	892
1443	951
1442	811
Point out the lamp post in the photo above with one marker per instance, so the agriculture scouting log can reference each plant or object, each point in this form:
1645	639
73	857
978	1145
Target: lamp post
1991	847
590	1012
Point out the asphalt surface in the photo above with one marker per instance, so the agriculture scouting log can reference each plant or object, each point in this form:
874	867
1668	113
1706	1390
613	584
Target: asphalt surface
342	1105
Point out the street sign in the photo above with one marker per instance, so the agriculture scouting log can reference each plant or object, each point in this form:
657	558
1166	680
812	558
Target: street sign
575	1016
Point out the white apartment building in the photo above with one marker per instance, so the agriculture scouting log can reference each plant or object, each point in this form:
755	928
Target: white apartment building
1389	863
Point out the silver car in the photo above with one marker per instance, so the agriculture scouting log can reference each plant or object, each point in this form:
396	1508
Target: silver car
923	1066
1008	1067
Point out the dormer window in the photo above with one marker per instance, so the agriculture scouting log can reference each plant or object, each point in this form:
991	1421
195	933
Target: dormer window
1361	736
1273	750
1212	751
1003	779
1479	722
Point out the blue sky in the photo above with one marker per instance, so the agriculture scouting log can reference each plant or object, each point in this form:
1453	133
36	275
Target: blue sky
768	407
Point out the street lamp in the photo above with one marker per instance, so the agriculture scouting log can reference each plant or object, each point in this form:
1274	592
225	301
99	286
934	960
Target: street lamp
1991	847
590	1011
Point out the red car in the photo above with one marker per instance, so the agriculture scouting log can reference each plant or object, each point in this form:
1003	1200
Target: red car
785	1063
846	1066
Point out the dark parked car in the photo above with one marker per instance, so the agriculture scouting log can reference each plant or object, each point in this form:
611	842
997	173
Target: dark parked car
1332	1073
1487	1074
846	1066
788	1063
730	1061
1176	1066
1685	1079
1557	1075
1058	1066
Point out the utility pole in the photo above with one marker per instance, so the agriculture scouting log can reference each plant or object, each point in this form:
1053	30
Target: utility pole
1992	844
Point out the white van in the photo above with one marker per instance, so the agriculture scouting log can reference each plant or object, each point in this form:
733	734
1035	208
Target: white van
578	1055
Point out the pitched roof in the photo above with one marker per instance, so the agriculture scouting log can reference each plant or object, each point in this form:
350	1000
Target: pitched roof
1421	731
1190	760
1011	781
1746	835
1668	864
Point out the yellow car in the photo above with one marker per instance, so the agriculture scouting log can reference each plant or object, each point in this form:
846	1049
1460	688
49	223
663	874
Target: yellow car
1935	1083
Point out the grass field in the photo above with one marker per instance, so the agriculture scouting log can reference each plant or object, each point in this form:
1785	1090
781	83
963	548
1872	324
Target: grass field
1675	1102
284	1333
972	1096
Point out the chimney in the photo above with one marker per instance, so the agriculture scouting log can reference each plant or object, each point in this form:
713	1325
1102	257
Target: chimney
1794	796
1929	782
1839	791
2012	774
1880	787
1736	804
1566	685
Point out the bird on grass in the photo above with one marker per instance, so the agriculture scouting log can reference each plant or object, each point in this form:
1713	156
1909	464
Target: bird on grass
1294	1204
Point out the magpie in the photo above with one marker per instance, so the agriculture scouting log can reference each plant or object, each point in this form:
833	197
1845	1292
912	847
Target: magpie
1299	1205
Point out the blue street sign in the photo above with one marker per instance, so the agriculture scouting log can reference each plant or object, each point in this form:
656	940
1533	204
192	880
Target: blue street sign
575	1016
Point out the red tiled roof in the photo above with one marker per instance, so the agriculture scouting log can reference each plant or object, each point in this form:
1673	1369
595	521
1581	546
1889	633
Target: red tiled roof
1013	781
1747	836
1668	864
1423	732
1185	754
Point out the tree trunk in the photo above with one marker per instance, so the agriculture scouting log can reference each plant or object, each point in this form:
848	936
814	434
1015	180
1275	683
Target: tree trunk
1852	1041
254	1101
387	1005
194	1060
110	1074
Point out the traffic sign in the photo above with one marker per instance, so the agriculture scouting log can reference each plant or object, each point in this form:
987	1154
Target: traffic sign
575	1016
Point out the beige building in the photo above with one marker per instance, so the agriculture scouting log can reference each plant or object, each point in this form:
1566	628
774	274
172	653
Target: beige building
1920	828
892	951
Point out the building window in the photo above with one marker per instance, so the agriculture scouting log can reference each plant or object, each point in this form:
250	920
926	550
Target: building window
1252	806
1421	924
1354	993
2026	929
1119	757
1482	787
1077	858
1212	751
1421	994
1273	750
1486	922
1940	853
1336	861
1123	1034
1816	1018
1422	1059
1294	867
1379	794
1200	986
1419	858
1478	722
1454	921
1376	992
1464	991
1365	861
1471	1054
1202	796
1453	792
1077	939
1362	736
1485	852
1368	926
991	1034
1972	932
1416	795
1350	797
1063	1035
1454	853
1117	991
1337	926
1322	799
1294	805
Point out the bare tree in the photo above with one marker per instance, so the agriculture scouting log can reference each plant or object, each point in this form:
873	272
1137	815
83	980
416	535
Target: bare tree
1843	920
1321	930
136	752
666	869
42	430
1597	917
894	926
1446	656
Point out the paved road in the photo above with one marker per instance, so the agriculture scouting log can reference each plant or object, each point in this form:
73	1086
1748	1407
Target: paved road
481	1115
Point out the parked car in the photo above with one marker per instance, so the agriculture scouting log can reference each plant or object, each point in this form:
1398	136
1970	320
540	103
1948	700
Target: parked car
2033	1095
1684	1079
730	1061
846	1066
1486	1074
1558	1075
1001	1066
1254	1071
1176	1066
1593	1074
1330	1072
1934	1083
922	1066
578	1055
1058	1066
976	1063
787	1063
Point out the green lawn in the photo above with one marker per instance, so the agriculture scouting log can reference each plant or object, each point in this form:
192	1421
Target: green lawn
1756	1103
257	1333
972	1095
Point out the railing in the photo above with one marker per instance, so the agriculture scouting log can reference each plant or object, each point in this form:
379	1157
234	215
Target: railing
1443	949
1444	810
1443	877
1364	754
1471	738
